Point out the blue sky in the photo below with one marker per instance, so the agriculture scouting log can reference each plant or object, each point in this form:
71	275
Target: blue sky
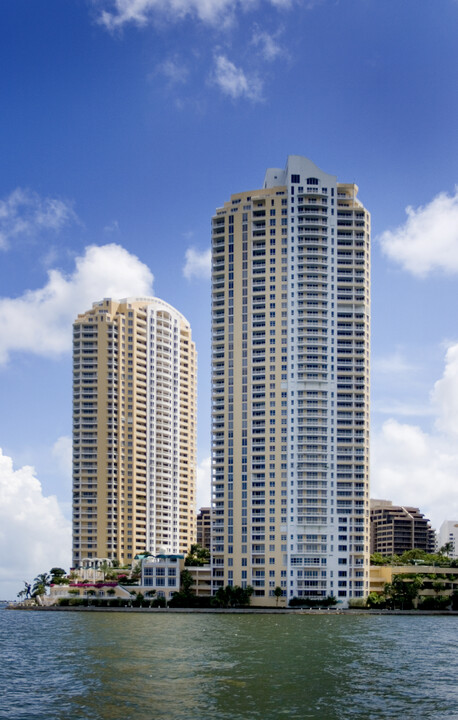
125	123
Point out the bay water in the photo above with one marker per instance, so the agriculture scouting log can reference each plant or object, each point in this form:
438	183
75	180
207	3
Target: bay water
153	666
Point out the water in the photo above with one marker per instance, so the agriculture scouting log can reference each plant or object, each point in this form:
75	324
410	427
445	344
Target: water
118	666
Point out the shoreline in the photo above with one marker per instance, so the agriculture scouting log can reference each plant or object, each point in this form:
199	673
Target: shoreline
235	611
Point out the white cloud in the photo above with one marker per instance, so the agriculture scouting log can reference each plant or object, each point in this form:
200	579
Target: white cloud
445	394
234	82
175	71
270	49
204	483
40	321
392	364
141	12
34	534
394	406
62	453
413	467
113	227
428	240
25	214
198	264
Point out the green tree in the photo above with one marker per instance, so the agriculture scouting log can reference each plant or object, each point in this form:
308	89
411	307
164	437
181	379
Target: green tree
104	567
278	593
138	602
376	600
379	559
111	575
186	582
58	576
149	595
197	556
233	596
136	573
159	602
403	590
409	556
454	600
40	583
447	549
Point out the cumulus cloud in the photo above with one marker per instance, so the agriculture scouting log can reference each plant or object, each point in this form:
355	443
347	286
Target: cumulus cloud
204	483
25	214
233	81
445	394
39	321
411	466
117	13
62	454
197	264
428	240
34	534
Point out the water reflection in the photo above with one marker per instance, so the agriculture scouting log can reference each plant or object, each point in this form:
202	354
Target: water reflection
117	666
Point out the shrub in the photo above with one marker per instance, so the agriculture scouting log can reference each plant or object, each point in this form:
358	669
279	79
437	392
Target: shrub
159	602
308	602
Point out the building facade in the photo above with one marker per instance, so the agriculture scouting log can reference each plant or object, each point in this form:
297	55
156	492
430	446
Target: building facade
134	430
290	387
162	573
430	575
396	529
204	527
448	536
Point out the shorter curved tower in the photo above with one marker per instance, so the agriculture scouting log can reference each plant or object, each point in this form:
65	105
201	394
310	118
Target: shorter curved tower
134	430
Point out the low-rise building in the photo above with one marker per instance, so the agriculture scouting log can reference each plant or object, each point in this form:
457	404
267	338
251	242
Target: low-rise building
435	580
161	573
86	590
202	580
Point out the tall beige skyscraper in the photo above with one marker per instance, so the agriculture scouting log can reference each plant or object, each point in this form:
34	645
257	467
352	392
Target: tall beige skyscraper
290	387
134	430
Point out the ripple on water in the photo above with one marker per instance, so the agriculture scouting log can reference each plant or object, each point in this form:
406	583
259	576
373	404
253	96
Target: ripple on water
116	666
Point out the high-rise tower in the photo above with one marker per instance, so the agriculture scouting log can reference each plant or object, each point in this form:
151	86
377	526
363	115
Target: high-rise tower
290	387
134	430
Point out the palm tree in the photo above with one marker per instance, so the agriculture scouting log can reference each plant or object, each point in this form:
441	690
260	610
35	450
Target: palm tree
40	583
104	568
278	592
447	549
